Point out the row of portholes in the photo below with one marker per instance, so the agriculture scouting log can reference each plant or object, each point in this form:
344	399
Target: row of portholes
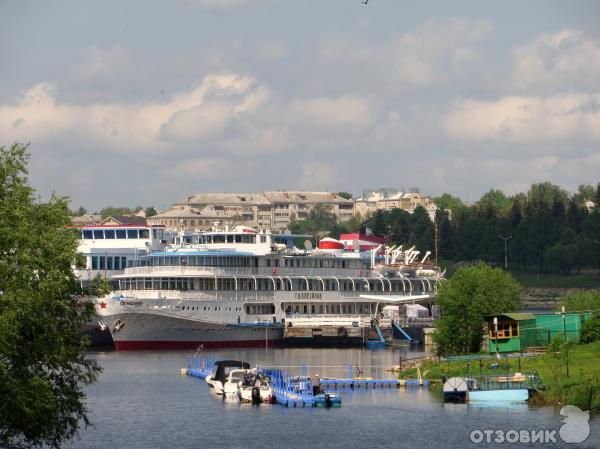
216	309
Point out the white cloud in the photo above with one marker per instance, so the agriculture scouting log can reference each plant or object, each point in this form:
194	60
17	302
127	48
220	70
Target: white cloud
137	127
345	110
318	175
103	64
431	55
557	61
562	117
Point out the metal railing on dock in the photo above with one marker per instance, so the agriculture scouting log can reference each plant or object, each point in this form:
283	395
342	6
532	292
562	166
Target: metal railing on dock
297	391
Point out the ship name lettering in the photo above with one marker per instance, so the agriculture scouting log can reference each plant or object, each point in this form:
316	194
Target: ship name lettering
308	295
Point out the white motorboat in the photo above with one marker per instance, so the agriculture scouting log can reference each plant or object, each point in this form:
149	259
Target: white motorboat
256	389
248	385
221	372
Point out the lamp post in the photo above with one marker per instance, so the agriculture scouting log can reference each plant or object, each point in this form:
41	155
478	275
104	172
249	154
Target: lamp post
562	312
496	337
506	239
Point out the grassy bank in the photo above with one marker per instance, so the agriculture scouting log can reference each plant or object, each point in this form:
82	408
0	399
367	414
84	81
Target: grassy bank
581	388
545	280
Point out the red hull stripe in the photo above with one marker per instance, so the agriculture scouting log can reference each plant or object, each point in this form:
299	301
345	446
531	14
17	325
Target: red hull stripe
143	345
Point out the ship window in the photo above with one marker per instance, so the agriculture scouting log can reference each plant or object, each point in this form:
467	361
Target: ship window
109	233
94	262
109	263
132	233
218	238
98	234
123	262
121	233
88	234
144	233
230	239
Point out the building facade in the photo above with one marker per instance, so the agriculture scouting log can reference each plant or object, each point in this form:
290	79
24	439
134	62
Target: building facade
268	210
388	198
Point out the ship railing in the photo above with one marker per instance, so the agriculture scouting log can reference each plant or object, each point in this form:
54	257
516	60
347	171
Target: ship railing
328	320
187	270
242	295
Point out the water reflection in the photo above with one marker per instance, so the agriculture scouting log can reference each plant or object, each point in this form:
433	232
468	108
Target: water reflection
142	402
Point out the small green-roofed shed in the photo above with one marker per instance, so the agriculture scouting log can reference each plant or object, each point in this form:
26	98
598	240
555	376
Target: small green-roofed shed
520	331
514	332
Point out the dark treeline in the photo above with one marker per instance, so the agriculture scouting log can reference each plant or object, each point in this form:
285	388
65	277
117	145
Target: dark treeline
547	228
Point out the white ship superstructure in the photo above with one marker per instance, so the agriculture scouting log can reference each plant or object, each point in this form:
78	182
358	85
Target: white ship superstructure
109	249
244	288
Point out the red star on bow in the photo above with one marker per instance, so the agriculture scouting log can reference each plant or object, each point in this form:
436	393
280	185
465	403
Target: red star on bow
103	305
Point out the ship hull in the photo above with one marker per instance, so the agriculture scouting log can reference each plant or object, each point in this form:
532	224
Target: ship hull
142	331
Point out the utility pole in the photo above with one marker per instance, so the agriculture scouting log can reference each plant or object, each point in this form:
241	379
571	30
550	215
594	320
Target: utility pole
436	241
506	239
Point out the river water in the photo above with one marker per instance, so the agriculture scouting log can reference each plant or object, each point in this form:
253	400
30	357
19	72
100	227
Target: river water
141	401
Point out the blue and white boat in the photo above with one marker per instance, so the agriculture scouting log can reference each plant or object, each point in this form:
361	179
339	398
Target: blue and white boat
491	388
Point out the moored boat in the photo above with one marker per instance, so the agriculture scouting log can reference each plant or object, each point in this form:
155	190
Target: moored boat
217	378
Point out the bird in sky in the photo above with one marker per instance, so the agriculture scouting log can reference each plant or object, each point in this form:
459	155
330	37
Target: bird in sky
365	2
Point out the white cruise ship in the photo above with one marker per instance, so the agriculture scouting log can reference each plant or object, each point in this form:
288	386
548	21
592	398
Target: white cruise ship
244	288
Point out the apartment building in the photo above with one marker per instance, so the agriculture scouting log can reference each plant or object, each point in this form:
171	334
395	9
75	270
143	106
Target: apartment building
388	198
273	210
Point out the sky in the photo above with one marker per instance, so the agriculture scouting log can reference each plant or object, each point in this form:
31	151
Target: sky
137	102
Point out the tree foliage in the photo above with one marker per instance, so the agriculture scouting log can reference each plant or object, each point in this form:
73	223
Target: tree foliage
322	222
345	195
582	301
150	212
590	331
465	299
42	368
111	211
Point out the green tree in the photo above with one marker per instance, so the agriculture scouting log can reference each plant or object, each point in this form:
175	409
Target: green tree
111	211
585	192
449	202
465	299
345	195
150	212
545	194
42	367
590	331
79	212
445	235
422	230
320	222
380	228
563	256
493	203
582	301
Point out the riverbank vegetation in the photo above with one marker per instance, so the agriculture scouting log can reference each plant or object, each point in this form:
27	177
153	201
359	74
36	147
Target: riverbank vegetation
579	386
465	299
